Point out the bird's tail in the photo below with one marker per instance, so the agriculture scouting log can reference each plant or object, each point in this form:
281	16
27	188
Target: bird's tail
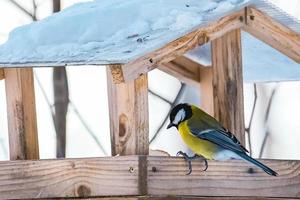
259	164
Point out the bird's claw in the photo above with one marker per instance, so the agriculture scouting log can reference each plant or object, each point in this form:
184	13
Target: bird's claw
190	167
180	153
206	165
189	161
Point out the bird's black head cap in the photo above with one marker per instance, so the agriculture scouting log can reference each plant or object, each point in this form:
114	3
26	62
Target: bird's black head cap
180	113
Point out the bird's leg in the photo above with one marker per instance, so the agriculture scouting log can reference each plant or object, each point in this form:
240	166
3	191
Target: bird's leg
190	159
201	158
187	159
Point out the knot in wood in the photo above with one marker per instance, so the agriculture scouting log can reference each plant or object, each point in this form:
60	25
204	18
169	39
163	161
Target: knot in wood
250	170
241	18
123	119
83	191
154	169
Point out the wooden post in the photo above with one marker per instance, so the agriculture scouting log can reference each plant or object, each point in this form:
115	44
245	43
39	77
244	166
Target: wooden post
1	74
128	110
228	82
206	90
22	128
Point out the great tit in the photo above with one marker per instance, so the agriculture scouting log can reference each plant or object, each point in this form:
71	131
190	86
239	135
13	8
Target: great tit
207	138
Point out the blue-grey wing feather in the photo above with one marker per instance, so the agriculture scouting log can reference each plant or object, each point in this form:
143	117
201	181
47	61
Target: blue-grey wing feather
220	138
208	128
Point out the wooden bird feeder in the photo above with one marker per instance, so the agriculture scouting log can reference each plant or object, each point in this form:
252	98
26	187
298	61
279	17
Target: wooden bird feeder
134	174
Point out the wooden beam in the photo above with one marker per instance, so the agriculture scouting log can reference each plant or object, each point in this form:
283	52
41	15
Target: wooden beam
166	176
206	90
169	197
228	83
184	74
91	177
273	33
129	120
1	73
114	177
22	128
178	47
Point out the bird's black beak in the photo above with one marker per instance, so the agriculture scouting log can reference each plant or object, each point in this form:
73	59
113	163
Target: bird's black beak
170	125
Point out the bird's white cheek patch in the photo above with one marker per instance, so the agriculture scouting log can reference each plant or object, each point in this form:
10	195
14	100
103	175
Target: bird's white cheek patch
179	116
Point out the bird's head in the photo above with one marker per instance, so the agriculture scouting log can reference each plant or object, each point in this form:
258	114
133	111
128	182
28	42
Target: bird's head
180	113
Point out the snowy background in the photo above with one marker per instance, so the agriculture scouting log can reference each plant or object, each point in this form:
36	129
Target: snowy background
89	98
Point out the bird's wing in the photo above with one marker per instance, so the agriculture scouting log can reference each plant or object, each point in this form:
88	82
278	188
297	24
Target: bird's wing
208	128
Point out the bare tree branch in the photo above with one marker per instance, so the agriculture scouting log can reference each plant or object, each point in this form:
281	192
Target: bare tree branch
262	148
61	101
178	96
34	10
267	133
160	97
92	134
26	12
248	129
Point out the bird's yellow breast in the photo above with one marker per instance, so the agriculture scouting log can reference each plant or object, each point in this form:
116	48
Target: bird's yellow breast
197	145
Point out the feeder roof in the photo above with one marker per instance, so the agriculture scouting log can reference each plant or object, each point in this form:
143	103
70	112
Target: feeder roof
105	32
109	31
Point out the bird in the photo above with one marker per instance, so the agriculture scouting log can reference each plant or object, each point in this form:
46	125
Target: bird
207	138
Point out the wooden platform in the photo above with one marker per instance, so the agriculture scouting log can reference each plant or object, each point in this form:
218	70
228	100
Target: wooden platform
140	177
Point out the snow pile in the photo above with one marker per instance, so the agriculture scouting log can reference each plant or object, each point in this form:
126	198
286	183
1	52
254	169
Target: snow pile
109	31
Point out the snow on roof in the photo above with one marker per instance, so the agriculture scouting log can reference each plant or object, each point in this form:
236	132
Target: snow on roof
109	31
117	32
261	63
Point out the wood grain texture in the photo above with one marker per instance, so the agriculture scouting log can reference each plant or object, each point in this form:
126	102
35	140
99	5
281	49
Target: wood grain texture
116	73
230	178
21	113
168	197
1	73
228	83
69	178
129	118
273	33
166	179
184	73
178	47
206	90
207	197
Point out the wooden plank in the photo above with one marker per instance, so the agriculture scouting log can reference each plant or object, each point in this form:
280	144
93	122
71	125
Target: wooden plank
178	47
184	74
90	177
1	73
118	176
129	120
168	197
166	176
273	33
185	69
206	90
228	83
22	128
187	63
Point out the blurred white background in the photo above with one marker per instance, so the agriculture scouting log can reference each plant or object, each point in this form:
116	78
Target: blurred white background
88	94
